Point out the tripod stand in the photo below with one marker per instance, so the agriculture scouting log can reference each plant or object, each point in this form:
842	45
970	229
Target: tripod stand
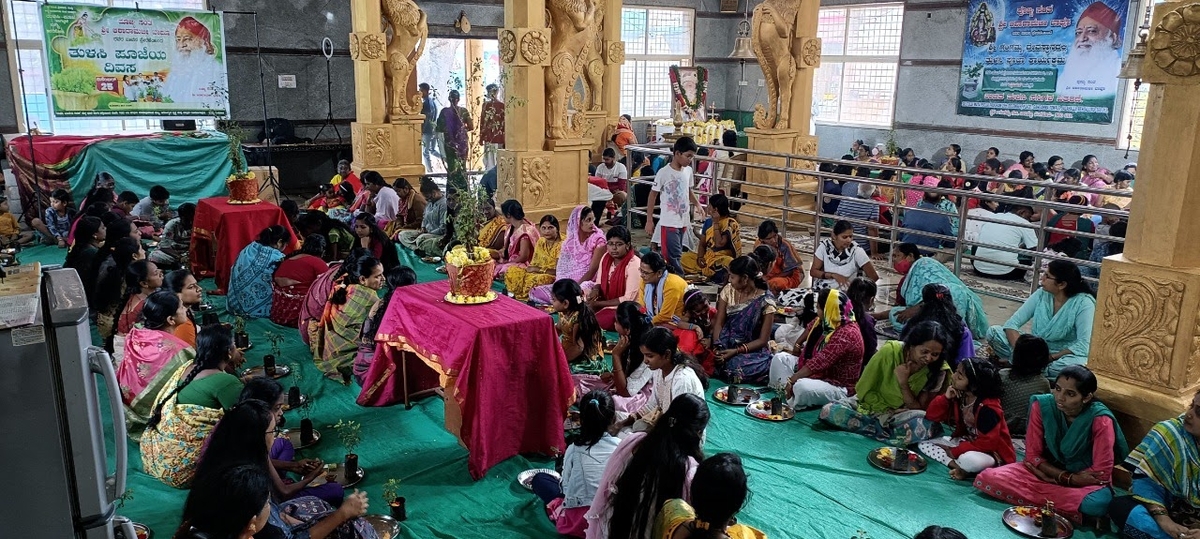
327	50
271	181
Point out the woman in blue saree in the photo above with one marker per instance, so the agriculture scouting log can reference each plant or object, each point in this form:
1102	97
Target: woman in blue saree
1061	311
919	271
743	325
1166	481
250	288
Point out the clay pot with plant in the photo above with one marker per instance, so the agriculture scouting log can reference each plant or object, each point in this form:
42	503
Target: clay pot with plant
269	359
240	338
469	266
350	433
306	424
391	488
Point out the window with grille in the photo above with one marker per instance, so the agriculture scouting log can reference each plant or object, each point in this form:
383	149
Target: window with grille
655	39
860	53
25	32
1134	109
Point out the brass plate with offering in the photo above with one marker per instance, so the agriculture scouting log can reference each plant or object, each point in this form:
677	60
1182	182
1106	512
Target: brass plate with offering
293	436
897	460
280	371
1027	520
761	409
695	279
431	259
525	478
471	300
143	531
386	527
303	401
744	396
336	473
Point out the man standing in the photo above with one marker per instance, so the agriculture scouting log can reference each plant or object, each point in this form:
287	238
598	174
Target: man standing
429	140
491	126
453	123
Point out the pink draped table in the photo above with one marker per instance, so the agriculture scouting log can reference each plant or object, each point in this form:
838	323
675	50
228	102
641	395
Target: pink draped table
506	381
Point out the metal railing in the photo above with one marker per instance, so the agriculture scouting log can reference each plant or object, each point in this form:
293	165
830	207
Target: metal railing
810	220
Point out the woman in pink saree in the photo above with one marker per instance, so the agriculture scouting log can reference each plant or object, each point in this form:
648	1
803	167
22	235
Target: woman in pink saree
579	255
152	355
314	301
518	245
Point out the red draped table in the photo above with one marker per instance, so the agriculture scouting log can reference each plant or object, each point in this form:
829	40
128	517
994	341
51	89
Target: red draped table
222	230
506	380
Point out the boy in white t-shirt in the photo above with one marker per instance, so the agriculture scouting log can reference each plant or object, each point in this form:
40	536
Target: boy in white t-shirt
617	176
674	183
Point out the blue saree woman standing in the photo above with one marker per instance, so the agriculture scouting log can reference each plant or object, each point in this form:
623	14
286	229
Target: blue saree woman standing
250	283
743	325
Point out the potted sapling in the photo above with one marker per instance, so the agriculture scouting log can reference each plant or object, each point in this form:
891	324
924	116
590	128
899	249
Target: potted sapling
306	425
240	338
350	432
269	360
777	398
395	503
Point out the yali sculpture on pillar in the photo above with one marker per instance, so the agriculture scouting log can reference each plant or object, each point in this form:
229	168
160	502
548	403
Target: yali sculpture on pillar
773	37
410	32
593	72
573	32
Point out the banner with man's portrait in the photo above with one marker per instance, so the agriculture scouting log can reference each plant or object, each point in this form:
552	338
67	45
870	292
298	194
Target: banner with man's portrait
119	62
1054	60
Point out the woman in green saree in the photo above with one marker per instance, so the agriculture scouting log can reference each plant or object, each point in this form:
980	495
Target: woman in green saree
335	338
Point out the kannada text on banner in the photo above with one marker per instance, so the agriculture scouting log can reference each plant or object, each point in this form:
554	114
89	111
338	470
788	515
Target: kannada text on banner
118	62
1053	60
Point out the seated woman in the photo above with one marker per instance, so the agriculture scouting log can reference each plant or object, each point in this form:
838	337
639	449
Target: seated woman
744	322
333	200
141	279
293	277
396	279
937	305
250	284
895	388
172	252
245	434
786	271
493	232
672	374
839	259
540	271
518	243
1073	221
1024	380
661	292
862	299
1071	445
718	493
335	338
283	453
832	348
190	294
919	271
82	255
176	432
617	277
233	502
972	404
579	334
721	244
318	295
1164	504
631	377
568	499
579	256
151	355
649	468
372	239
113	261
1061	311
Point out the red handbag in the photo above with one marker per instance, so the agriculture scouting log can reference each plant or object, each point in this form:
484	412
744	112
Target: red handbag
285	306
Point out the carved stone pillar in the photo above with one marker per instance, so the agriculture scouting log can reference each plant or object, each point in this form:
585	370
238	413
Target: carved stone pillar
783	37
1146	338
387	143
546	176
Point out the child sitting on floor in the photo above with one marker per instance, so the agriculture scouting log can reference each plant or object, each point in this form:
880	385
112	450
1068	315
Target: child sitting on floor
10	229
176	239
578	331
154	209
568	500
673	374
972	403
56	227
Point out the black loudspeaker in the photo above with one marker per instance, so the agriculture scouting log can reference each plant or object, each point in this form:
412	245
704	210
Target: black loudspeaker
179	125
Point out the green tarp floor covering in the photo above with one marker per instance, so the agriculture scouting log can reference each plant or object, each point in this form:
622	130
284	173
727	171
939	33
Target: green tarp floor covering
806	481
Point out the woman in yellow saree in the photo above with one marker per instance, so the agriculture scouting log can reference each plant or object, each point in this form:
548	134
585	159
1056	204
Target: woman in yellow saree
721	244
541	270
718	493
176	432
